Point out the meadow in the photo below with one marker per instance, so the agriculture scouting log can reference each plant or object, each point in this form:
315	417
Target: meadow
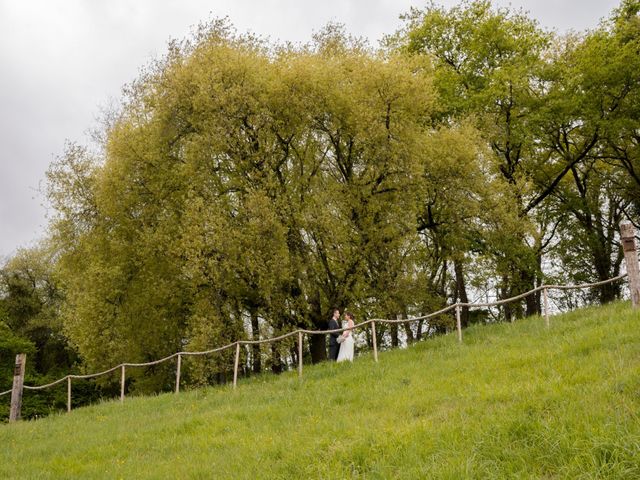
514	400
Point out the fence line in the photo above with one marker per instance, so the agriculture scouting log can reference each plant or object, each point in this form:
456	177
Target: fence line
300	332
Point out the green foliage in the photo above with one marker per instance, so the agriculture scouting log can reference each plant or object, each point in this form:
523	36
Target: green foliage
241	181
547	106
488	65
11	345
30	323
29	302
514	400
244	188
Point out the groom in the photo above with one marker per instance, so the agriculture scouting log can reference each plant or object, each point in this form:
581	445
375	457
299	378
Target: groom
334	346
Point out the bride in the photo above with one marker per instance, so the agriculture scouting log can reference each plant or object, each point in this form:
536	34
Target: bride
347	342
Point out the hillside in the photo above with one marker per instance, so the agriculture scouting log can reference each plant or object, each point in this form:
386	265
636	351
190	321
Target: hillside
514	401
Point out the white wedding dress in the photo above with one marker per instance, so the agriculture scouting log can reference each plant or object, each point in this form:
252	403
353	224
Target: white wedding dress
346	349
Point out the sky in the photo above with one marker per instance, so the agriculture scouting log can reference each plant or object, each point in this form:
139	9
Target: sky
63	62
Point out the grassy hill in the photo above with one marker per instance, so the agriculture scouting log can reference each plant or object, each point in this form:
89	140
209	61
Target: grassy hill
514	401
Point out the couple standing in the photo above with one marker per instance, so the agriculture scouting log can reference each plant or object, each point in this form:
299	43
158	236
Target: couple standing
341	344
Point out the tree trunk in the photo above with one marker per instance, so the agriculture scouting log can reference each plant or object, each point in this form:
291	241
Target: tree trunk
529	283
276	360
539	280
610	291
503	293
461	292
318	347
318	343
256	361
394	335
409	332
419	329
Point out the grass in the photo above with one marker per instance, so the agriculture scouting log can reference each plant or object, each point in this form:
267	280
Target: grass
513	401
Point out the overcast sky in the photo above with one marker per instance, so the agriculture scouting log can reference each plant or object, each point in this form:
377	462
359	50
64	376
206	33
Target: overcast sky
61	61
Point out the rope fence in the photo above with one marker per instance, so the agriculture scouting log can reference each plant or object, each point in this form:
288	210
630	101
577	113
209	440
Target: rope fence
299	333
627	235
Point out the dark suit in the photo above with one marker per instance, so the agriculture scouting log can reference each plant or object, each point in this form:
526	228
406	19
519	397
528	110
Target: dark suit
334	346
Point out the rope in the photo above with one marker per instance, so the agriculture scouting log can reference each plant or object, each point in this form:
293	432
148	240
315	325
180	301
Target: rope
205	352
40	387
325	332
542	287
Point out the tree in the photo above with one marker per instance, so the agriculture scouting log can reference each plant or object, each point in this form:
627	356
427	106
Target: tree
29	302
544	105
30	298
238	183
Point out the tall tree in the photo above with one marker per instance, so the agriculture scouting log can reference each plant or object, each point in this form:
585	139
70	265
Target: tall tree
240	182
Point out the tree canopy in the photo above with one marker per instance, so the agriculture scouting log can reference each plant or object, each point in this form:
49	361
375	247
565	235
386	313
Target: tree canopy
244	188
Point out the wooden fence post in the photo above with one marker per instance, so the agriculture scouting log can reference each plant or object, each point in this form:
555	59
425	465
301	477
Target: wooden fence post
628	234
458	323
235	365
122	384
68	394
300	354
178	373
375	341
18	387
546	306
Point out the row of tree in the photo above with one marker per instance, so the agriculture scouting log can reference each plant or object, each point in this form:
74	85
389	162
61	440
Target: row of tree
243	189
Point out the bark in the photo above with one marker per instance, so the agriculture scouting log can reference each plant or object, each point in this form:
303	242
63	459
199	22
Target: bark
461	292
419	330
256	361
531	301
505	292
318	343
409	332
539	280
394	335
276	360
610	291
318	346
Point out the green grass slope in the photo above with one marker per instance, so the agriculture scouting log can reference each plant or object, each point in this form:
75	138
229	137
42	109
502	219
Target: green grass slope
514	401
